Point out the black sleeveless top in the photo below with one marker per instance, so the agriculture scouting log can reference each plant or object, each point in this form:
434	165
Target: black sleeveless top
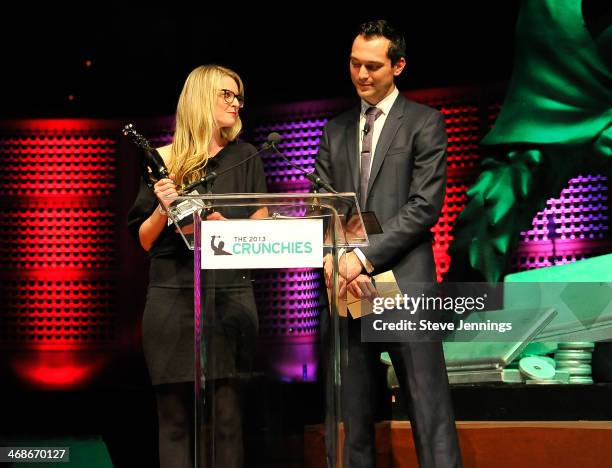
171	260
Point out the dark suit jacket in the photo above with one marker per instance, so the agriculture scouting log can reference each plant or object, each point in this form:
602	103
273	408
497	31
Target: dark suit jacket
406	187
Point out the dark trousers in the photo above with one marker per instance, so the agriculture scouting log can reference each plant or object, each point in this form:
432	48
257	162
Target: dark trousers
421	373
176	415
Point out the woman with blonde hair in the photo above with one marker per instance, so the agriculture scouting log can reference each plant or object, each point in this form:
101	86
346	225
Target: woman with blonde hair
207	127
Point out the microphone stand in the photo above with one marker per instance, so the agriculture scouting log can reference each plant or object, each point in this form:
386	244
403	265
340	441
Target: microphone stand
552	235
315	179
209	178
317	182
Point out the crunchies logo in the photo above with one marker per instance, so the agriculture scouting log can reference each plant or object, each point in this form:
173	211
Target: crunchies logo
258	245
239	243
218	249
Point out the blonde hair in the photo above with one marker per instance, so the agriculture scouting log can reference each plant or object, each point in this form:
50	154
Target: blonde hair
195	123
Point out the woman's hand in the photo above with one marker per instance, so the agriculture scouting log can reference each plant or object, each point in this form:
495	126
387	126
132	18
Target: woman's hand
215	216
152	227
165	190
187	229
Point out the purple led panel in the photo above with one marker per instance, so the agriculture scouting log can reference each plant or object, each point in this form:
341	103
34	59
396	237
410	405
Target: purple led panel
300	144
576	224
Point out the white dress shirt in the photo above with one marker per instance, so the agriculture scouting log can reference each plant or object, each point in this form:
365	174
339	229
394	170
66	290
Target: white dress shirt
385	106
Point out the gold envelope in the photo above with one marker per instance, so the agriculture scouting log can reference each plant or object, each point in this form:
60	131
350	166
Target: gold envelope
386	286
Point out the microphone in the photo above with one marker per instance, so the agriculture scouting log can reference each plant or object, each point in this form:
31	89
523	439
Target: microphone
273	139
366	128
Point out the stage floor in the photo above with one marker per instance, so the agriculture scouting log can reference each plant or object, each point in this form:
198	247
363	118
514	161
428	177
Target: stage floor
498	424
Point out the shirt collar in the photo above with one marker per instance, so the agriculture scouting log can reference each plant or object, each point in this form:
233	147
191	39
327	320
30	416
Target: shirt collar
384	105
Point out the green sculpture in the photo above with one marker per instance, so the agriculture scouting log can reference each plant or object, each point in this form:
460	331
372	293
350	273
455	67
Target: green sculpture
555	122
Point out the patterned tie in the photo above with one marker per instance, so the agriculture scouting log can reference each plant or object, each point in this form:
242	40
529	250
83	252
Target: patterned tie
372	113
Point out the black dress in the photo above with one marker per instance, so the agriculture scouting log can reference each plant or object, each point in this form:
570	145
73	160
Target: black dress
167	328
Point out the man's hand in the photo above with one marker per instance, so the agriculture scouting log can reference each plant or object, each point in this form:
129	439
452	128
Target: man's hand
349	266
362	288
327	270
328	273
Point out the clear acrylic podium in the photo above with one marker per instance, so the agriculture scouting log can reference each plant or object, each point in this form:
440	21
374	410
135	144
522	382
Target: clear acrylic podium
267	340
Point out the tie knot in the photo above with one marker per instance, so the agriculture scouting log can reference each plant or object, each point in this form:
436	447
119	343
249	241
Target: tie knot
373	112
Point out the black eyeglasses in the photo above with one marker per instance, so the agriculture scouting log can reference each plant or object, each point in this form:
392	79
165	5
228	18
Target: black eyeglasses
229	95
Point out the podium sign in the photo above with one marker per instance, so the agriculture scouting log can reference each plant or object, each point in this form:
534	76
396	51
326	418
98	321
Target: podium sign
262	243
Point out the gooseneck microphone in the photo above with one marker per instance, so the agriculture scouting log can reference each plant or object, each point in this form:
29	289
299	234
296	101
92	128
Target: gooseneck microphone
274	139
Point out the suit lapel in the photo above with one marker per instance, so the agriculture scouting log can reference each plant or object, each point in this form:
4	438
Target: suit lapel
352	147
392	124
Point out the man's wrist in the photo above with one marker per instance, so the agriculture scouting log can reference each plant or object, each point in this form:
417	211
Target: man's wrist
367	265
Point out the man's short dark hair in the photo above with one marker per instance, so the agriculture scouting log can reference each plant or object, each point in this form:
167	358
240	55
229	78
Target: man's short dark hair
381	28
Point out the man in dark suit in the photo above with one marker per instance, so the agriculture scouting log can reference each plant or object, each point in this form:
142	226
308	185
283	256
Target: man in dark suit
392	152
